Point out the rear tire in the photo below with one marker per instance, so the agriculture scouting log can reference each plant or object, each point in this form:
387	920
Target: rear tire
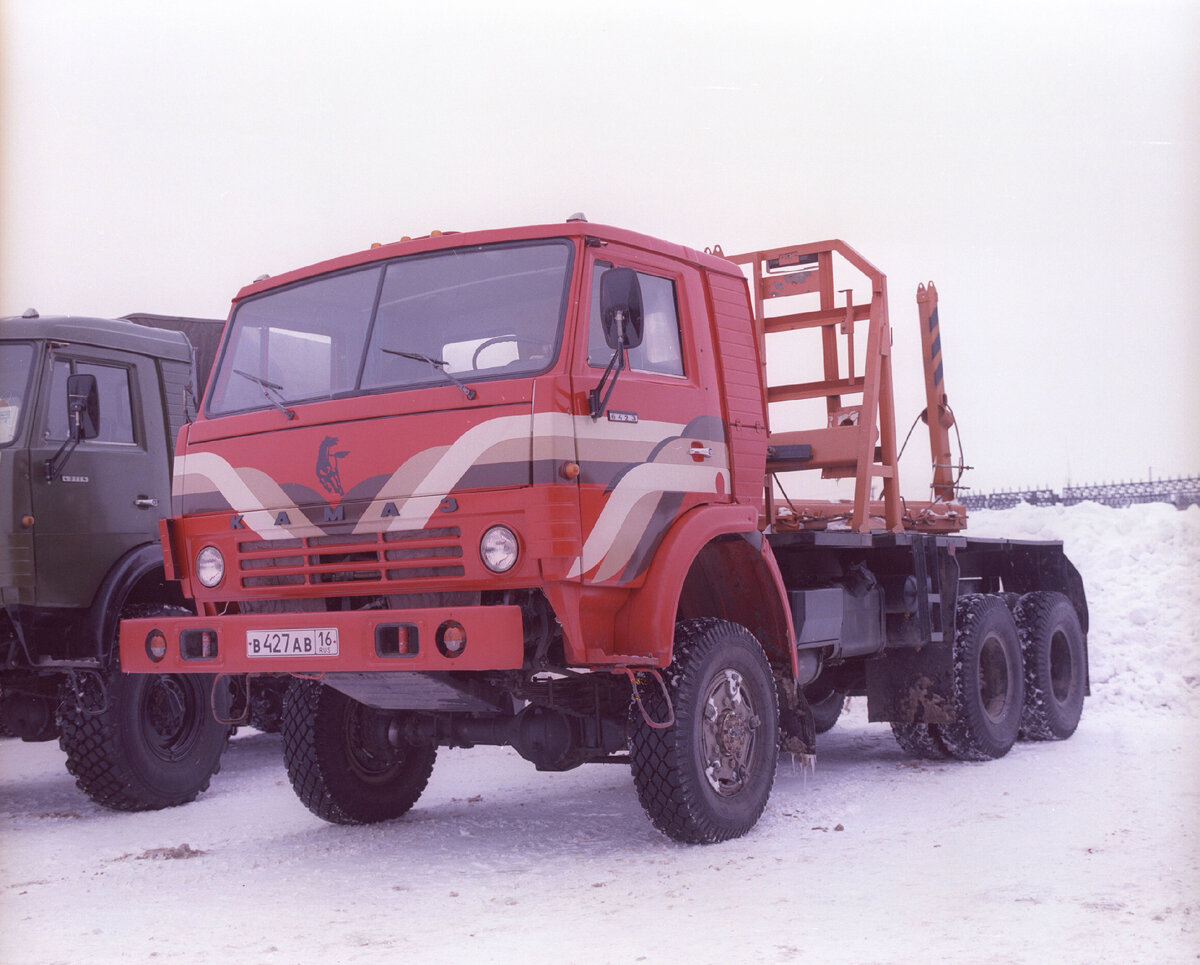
1052	647
340	761
920	740
827	710
708	776
988	681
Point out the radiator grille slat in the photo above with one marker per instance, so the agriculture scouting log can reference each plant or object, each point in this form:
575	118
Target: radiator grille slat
351	559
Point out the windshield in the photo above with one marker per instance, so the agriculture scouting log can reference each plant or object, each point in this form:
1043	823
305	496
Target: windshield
16	363
454	317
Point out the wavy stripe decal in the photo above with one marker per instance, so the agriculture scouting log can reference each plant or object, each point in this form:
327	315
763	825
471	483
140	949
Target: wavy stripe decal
251	493
643	485
638	465
417	502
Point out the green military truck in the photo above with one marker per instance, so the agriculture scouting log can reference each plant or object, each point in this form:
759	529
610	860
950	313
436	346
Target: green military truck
89	411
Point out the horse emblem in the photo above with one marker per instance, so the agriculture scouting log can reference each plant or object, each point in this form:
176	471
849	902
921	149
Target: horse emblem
327	466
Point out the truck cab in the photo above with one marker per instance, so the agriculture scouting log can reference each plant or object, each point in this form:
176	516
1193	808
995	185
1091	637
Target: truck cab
386	428
89	408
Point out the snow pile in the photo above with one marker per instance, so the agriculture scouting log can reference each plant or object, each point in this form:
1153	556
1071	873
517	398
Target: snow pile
1141	570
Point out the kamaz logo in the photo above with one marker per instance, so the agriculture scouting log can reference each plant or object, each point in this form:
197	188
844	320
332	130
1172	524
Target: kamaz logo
327	466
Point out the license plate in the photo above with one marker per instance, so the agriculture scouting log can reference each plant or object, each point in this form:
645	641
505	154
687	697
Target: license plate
320	642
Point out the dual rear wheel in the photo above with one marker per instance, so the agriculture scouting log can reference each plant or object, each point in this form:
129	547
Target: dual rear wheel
1020	672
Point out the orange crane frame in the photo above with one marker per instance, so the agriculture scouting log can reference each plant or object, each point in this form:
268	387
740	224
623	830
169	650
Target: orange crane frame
859	439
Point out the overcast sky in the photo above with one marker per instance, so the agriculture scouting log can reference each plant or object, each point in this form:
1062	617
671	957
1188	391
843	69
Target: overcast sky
1039	160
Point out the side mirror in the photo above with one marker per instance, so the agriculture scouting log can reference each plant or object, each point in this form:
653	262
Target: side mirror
621	308
83	407
83	421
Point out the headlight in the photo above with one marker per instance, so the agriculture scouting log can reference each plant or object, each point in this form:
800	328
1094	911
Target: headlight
210	566
499	549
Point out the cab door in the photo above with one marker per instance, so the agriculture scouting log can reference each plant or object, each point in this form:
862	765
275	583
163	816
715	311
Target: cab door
111	490
658	446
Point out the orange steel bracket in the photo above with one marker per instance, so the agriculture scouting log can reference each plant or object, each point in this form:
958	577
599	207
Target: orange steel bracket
858	440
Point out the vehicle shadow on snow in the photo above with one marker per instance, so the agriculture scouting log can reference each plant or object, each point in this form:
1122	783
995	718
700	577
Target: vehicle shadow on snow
250	751
477	799
46	797
494	808
592	808
53	793
844	753
854	741
488	801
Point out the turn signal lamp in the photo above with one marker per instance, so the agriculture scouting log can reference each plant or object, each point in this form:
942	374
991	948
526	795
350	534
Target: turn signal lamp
451	638
156	645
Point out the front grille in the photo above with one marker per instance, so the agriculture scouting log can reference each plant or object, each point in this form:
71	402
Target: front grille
327	561
419	547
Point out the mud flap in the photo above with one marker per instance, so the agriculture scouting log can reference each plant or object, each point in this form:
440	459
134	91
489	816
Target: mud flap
797	731
912	686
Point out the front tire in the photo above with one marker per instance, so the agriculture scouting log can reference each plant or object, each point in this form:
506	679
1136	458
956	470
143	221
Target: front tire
140	742
341	763
988	682
707	777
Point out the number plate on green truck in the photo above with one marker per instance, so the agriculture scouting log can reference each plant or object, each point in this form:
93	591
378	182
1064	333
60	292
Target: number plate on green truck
314	642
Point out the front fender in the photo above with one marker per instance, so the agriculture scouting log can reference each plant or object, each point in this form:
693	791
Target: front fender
648	617
136	575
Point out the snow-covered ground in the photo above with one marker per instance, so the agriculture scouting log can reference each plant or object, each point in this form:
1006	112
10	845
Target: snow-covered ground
1084	851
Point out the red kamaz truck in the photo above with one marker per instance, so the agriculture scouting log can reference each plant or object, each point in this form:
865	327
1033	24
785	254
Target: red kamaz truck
537	487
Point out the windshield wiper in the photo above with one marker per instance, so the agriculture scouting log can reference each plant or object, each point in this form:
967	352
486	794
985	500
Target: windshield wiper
440	365
268	388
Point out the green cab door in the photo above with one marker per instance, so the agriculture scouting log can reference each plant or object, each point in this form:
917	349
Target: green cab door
109	493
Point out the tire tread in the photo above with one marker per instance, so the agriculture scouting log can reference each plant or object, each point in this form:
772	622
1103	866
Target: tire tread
669	794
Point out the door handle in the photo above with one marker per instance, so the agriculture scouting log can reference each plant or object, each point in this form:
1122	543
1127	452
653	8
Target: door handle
699	452
146	502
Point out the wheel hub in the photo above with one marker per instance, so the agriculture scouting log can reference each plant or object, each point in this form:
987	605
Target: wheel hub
368	751
168	708
1062	672
732	732
996	679
728	732
171	721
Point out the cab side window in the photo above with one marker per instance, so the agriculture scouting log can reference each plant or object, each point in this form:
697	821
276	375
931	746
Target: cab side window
660	352
116	405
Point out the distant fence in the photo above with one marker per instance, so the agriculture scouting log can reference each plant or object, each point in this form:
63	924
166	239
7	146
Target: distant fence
1181	493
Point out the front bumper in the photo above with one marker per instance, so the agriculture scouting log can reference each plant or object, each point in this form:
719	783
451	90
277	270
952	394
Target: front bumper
440	638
